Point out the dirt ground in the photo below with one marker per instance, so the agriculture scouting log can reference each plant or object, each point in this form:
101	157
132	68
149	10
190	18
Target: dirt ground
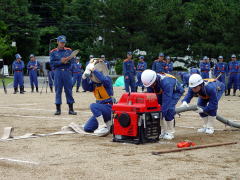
77	156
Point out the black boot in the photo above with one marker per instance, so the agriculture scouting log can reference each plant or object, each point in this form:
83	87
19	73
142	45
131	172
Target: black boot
51	88
71	111
37	89
77	90
234	92
15	90
32	89
21	90
58	109
228	93
136	88
225	93
142	89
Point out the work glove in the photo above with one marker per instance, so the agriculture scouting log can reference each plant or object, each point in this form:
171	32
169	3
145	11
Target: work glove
199	110
184	104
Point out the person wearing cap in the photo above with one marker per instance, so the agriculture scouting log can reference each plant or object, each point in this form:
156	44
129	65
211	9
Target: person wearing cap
33	66
205	67
90	57
159	64
209	92
220	70
129	72
98	82
18	66
61	61
233	70
168	68
194	70
77	71
141	66
105	61
168	91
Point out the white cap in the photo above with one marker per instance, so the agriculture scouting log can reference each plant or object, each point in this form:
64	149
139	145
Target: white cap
195	80
148	77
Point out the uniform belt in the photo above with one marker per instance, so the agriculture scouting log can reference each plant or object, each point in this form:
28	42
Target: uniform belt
76	72
108	103
204	71
63	69
18	71
139	71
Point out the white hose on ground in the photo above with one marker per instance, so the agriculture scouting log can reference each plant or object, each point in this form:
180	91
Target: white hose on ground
219	118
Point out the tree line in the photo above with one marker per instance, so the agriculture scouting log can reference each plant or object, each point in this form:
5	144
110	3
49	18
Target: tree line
113	27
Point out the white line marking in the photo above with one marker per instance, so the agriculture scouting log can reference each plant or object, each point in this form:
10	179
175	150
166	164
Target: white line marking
18	161
37	117
31	109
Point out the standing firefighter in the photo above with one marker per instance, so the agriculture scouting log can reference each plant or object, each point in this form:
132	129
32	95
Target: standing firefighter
18	66
61	61
209	92
159	64
96	80
168	91
205	67
33	66
141	66
77	71
129	72
220	70
169	65
233	69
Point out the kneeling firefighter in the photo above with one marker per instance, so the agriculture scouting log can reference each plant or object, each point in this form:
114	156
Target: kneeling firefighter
168	91
209	92
96	80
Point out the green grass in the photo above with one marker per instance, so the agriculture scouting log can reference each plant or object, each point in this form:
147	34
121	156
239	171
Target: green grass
7	81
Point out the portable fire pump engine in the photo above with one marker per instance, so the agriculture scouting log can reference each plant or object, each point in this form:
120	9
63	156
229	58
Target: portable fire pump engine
136	118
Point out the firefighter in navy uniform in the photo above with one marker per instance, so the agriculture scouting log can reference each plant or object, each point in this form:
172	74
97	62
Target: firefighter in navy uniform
18	66
159	64
209	92
33	66
205	67
141	66
233	69
168	91
129	72
102	88
220	70
169	65
77	71
61	61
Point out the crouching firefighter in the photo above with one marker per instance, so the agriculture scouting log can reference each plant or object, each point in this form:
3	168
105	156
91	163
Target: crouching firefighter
96	80
209	92
168	91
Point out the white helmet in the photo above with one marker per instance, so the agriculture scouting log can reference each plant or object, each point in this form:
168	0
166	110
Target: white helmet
195	80
148	77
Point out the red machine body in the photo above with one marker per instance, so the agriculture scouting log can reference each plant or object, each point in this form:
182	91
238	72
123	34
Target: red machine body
136	118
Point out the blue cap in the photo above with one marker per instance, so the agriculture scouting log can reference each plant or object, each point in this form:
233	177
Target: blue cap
220	57
129	53
161	54
233	56
205	58
18	56
141	57
62	38
77	58
102	56
168	57
31	55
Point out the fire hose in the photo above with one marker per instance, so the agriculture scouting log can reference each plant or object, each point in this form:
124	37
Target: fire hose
219	118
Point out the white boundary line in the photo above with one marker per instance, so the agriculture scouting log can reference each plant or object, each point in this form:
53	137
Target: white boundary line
31	109
37	117
19	161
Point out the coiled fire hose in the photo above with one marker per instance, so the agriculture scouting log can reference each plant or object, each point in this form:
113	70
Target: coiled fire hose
219	118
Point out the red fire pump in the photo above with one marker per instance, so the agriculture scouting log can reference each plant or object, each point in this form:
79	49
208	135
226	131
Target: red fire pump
136	118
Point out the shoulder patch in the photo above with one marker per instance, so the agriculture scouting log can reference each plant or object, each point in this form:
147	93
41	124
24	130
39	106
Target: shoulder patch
55	49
